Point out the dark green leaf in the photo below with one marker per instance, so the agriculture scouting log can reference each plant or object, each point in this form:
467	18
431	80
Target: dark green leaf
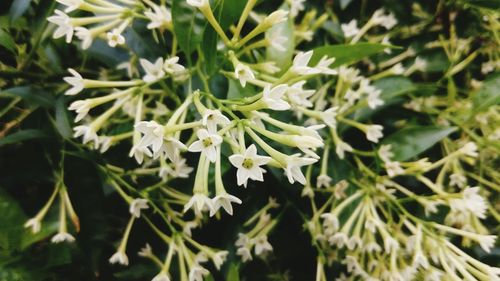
209	48
410	142
233	273
11	221
23	135
231	12
347	54
236	91
32	95
188	25
6	41
18	8
489	4
489	94
62	121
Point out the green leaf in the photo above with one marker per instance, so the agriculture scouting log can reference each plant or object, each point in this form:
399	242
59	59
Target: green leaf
488	4
488	94
236	91
188	25
11	221
32	95
233	273
231	12
410	142
283	59
18	8
392	88
344	4
6	41
62	123
23	135
346	53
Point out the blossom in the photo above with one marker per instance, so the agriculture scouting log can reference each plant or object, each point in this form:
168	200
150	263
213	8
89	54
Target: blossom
212	118
34	223
486	242
76	81
457	179
64	26
206	144
197	272
198	4
248	165
470	201
172	66
276	39
296	6
160	17
374	99
82	108
224	200
300	62
153	135
273	98
119	257
61	237
276	17
324	66
219	258
329	117
71	5
146	251
351	29
170	148
393	169
292	169
298	96
85	36
153	71
243	73
341	147
162	276
387	21
199	202
323	180
469	149
115	38
137	205
180	170
262	245
138	153
374	133
385	153
88	133
245	254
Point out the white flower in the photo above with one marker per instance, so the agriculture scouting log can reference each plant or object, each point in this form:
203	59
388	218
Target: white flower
85	36
170	148
153	71
393	169
206	144
329	117
188	226
153	135
138	153
307	191
61	237
372	247
469	149
387	21
276	39
324	66
115	38
81	107
212	118
198	4
307	144
457	179
76	81
486	242
197	272
262	245
397	69
300	62
338	239
341	147
296	6
199	202
420	64
374	99
390	244
471	201
219	258
323	181
248	165
292	169
162	276
224	200
160	17
243	73
385	153
34	223
105	143
137	205
244	253
172	66
276	17
71	5
351	29
242	241
64	26
273	98
181	170
119	257
374	133
298	96
88	134
330	223
146	251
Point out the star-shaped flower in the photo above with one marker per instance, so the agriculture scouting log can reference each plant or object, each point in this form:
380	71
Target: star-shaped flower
248	165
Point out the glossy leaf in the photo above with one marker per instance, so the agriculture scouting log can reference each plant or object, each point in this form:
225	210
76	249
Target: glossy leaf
410	142
34	96
62	122
488	94
189	24
23	135
18	8
6	41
